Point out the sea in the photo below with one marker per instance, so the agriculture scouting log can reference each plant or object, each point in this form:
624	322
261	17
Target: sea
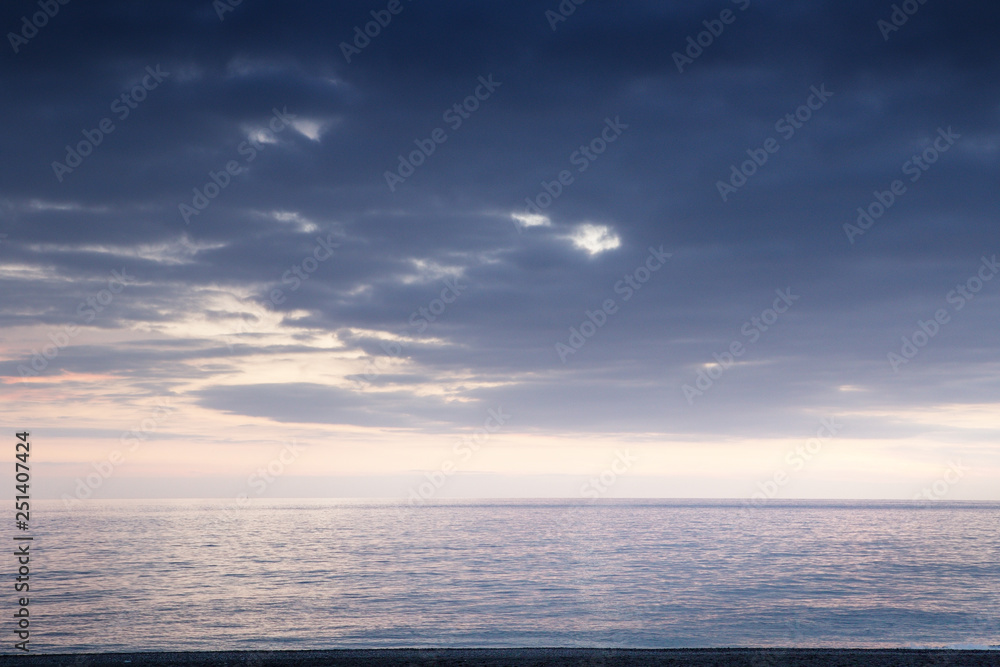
130	575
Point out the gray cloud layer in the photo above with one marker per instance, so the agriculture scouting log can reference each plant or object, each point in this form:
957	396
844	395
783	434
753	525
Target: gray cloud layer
655	185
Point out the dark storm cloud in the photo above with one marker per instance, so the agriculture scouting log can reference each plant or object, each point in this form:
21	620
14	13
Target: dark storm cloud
655	185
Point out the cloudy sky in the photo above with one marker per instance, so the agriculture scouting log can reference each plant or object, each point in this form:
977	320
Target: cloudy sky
502	248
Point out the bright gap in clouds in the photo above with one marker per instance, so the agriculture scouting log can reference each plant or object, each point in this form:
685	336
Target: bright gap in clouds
531	219
594	238
311	129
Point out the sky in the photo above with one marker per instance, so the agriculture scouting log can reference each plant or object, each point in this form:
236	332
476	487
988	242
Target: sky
737	249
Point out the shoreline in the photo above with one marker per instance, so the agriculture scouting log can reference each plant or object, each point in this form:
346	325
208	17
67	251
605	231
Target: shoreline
502	657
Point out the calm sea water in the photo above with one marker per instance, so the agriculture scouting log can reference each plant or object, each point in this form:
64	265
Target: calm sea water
129	575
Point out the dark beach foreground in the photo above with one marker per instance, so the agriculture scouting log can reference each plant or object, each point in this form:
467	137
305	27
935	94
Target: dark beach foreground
736	657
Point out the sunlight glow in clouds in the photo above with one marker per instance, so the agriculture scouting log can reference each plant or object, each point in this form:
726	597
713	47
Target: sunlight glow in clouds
594	238
310	128
302	224
531	219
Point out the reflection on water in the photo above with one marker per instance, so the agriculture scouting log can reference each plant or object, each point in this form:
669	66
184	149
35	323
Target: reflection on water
128	575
